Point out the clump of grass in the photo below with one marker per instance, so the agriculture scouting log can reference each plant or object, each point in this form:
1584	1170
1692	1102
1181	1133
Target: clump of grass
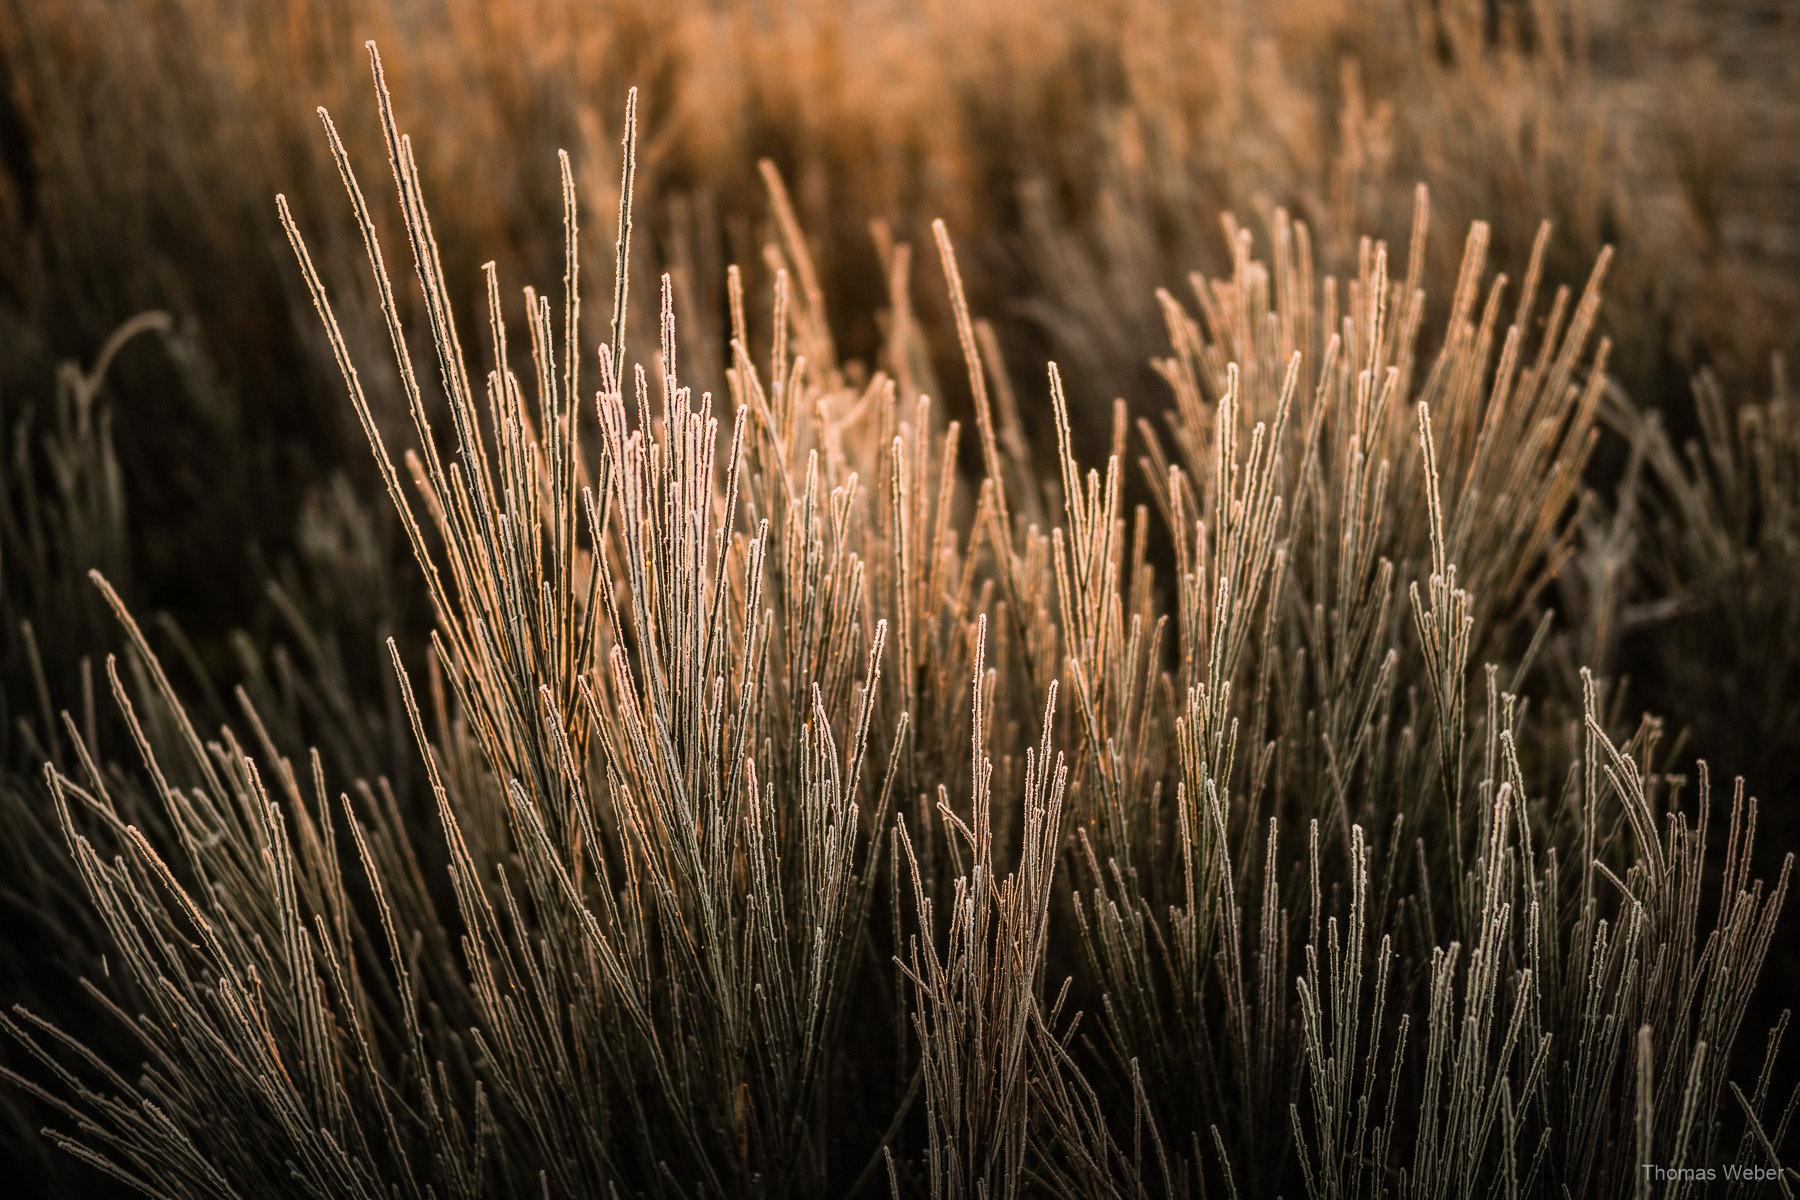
799	814
1723	542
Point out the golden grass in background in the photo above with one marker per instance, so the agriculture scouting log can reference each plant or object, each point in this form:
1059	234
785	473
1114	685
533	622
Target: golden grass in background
1081	151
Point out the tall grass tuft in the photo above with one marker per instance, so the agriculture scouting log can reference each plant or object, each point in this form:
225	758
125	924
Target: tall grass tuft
778	809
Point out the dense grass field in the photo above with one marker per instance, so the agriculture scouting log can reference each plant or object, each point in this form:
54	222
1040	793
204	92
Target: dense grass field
790	599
